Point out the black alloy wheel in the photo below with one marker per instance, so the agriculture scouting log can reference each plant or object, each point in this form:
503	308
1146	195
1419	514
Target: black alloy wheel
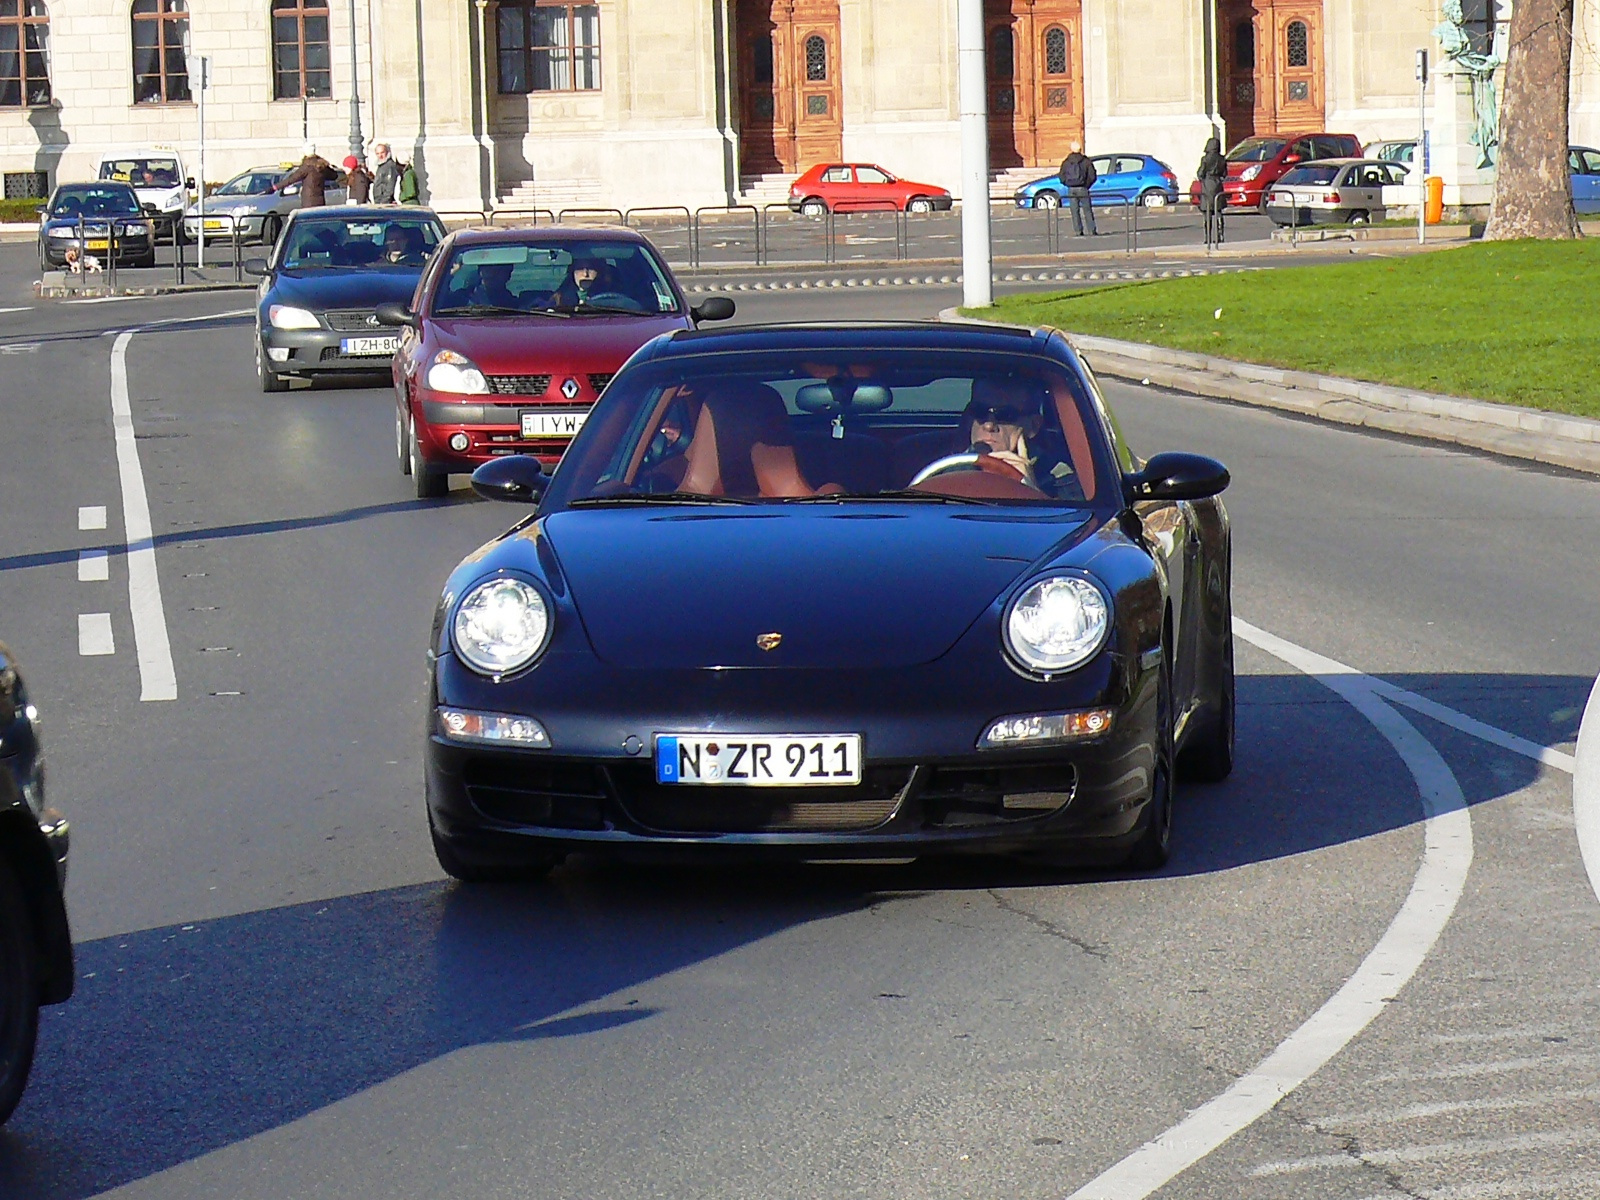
535	867
1208	754
430	486
1154	846
271	381
19	992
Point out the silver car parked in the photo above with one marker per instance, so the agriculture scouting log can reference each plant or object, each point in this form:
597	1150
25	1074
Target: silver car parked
1333	191
245	201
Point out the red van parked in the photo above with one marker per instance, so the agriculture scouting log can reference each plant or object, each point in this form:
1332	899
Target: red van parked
1256	163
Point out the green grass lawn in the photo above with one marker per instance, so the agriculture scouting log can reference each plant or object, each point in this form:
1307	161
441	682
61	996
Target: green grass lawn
1517	322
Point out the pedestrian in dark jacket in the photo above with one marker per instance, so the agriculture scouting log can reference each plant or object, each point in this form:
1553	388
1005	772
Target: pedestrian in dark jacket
357	180
1078	176
313	175
386	179
1213	173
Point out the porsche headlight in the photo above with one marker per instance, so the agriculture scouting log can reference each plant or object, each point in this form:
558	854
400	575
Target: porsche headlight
286	316
501	626
1251	172
452	372
1057	623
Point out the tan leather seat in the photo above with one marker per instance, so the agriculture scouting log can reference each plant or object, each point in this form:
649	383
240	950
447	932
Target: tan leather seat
742	446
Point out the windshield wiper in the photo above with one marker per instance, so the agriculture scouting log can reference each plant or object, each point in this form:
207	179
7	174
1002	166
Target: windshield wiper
608	310
496	310
891	494
658	498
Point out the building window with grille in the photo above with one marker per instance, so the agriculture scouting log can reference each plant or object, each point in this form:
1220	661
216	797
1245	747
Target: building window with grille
24	53
1298	37
1055	51
160	70
816	59
1244	46
301	60
1002	55
548	47
761	58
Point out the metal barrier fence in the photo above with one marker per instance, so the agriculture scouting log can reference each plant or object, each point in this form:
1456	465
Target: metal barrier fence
561	217
698	222
655	239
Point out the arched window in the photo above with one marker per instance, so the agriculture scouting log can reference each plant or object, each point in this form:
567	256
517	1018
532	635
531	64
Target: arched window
24	53
816	58
160	71
1244	46
1055	51
1002	54
761	58
1298	39
301	62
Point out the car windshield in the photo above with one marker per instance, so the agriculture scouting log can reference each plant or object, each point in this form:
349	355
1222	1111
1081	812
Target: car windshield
320	243
90	201
251	183
599	276
1401	152
1318	173
142	172
1255	150
836	425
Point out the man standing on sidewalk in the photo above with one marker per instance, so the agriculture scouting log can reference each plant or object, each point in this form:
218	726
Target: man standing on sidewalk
1078	176
387	177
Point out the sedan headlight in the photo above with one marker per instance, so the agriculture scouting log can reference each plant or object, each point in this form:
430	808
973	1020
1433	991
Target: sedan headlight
452	372
1251	172
501	626
1057	623
285	316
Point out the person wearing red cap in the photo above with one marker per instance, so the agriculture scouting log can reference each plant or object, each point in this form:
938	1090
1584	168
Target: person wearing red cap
357	180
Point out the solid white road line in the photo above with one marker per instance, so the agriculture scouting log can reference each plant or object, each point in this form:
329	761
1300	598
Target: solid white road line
157	679
92	516
1488	733
94	566
1586	789
1435	891
94	634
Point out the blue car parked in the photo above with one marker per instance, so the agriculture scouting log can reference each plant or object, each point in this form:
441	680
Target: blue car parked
1136	178
1584	163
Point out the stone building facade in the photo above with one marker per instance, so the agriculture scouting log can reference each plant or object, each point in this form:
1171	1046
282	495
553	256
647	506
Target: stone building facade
626	103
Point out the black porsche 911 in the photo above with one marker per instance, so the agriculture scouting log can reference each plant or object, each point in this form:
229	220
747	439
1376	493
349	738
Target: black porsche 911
826	592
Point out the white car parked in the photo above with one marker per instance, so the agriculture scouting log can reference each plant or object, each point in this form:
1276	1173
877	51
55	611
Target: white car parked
158	178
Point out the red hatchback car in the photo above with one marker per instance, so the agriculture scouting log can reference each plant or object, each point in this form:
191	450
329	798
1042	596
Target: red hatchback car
862	187
513	334
1255	164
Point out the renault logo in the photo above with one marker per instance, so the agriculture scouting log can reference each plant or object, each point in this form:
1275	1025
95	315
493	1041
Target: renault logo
569	389
769	641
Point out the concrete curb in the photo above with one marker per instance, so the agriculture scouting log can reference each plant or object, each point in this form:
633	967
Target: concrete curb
1526	433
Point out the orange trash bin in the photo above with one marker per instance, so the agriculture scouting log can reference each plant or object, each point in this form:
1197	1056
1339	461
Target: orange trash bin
1434	213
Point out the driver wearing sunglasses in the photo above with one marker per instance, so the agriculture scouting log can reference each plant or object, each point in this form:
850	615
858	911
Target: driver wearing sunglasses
1001	418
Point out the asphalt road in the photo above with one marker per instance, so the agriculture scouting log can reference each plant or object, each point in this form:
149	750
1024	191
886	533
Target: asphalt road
280	996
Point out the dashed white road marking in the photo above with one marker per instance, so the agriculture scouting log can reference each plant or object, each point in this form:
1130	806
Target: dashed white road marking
1435	891
94	566
92	516
22	308
94	634
1586	789
157	679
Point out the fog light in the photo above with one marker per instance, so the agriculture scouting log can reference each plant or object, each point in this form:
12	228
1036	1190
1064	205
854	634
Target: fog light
278	353
459	441
1046	727
492	728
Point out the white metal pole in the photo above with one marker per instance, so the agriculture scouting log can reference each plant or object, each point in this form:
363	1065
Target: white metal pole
1419	156
977	261
200	180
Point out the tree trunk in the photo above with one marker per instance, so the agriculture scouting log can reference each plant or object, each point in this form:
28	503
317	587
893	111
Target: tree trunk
1533	189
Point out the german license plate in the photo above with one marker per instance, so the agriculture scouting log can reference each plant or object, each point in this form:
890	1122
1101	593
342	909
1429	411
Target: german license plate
369	345
552	424
759	760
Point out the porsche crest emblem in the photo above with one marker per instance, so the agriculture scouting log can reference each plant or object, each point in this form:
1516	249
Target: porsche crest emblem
769	641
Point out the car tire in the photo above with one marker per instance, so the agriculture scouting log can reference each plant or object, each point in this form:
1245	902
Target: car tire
430	486
1208	754
270	380
1360	217
1153	198
919	204
402	446
814	207
19	992
271	227
1151	851
468	870
1047	200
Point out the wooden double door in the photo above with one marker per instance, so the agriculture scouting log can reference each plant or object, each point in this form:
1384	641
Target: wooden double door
1273	68
1034	56
789	93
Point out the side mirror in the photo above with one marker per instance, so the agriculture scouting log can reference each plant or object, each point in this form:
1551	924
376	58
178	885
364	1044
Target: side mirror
715	308
255	266
1176	476
516	477
1291	158
392	312
40	211
189	183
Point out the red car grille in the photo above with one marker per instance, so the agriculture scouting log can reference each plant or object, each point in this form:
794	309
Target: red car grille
519	385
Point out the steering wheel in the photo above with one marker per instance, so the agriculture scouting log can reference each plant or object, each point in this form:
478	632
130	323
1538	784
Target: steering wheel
950	462
616	300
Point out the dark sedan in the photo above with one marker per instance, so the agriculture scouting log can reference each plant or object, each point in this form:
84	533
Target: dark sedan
87	217
331	268
35	944
874	591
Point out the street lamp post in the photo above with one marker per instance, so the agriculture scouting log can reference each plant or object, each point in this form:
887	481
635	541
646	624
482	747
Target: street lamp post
355	89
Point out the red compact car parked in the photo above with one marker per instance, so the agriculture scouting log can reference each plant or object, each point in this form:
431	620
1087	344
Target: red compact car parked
1255	164
862	187
513	334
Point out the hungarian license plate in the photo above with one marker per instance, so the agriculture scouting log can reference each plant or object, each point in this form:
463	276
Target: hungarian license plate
369	345
552	424
759	760
96	244
216	226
